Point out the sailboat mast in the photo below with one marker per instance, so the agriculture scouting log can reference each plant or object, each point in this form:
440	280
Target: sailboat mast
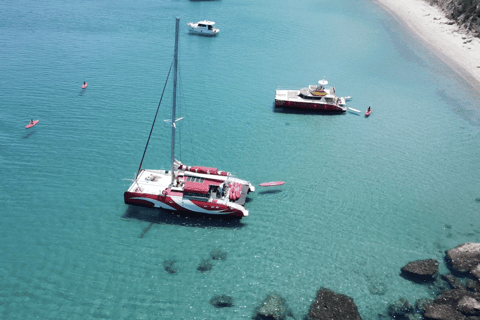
175	64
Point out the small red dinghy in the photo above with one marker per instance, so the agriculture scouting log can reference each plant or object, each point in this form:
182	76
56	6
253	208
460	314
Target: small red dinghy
271	184
31	124
368	112
84	85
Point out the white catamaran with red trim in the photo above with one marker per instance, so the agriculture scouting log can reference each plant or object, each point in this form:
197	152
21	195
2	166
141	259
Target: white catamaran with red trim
193	190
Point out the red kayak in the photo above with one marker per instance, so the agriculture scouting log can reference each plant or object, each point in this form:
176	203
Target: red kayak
31	124
271	184
368	113
84	85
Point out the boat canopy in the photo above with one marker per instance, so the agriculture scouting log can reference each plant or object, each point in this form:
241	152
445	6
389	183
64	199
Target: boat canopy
202	187
206	170
206	22
195	187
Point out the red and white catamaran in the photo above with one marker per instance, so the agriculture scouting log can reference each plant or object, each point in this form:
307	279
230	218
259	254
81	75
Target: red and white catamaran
315	98
191	190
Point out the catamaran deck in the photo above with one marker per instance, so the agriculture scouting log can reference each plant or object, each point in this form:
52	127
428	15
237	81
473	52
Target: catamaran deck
151	182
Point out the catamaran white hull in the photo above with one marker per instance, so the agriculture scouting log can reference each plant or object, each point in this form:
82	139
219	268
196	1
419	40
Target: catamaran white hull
152	189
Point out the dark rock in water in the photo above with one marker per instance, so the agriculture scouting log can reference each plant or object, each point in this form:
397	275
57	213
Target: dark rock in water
333	306
218	254
168	265
421	303
454	304
421	270
273	307
473	285
442	312
439	285
400	309
464	257
222	301
205	265
454	282
451	297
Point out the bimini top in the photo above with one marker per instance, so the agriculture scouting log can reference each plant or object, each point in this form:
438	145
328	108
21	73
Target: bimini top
206	22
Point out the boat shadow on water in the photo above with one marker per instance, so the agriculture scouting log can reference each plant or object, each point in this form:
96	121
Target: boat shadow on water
28	135
270	191
161	216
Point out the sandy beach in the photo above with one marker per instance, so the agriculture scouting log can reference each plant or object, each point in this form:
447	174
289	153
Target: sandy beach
459	50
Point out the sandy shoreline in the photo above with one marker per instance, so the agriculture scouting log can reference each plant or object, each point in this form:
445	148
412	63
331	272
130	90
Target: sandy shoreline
459	50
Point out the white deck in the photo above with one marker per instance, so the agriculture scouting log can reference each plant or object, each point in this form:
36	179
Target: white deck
155	181
151	182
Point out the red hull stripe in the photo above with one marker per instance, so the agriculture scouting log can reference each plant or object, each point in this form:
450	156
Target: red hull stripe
152	201
307	105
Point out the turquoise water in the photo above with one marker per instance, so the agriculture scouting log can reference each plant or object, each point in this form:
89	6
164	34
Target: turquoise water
363	196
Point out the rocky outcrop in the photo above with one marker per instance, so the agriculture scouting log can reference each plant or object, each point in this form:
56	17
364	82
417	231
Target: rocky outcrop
332	306
469	306
442	312
421	270
466	13
464	258
454	304
272	308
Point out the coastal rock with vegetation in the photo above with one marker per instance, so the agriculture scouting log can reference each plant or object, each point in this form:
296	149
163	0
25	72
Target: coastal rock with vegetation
466	13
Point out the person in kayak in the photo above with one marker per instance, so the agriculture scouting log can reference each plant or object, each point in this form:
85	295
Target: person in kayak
369	109
31	121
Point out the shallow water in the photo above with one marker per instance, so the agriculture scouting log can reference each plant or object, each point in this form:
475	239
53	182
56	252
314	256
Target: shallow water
362	196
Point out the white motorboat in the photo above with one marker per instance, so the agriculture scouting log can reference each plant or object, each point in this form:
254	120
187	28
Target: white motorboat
204	27
315	97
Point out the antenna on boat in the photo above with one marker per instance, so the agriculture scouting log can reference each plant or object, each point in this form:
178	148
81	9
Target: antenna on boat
175	65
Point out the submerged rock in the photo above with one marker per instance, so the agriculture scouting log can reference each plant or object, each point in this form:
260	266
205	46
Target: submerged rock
377	287
205	265
222	301
168	265
332	306
421	270
218	254
273	307
400	309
